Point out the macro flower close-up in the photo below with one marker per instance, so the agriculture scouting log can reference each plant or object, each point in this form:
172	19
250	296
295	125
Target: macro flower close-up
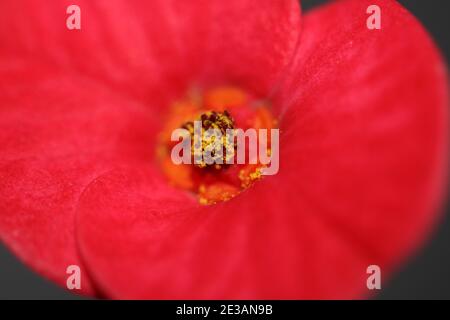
87	116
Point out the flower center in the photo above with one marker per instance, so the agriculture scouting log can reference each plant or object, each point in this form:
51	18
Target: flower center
219	110
212	120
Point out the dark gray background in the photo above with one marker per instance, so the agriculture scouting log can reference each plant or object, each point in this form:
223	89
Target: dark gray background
427	276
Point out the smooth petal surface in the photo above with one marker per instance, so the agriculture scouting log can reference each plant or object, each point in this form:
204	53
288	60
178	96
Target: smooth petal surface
123	218
365	119
148	48
363	154
57	135
138	243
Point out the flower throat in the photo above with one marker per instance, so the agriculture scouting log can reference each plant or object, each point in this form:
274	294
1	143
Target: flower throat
210	142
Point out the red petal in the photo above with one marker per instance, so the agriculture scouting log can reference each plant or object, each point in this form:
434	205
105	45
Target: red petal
248	42
141	240
361	167
149	48
365	129
56	136
67	96
123	218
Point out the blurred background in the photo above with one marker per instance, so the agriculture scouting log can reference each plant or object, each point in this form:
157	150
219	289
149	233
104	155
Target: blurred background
426	276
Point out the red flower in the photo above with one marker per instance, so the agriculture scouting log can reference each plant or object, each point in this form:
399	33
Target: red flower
363	119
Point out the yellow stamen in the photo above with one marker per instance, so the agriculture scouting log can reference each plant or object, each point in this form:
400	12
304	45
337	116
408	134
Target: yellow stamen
214	108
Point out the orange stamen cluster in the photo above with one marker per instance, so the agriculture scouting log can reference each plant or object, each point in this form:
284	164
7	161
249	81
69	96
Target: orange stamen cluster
221	121
220	108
